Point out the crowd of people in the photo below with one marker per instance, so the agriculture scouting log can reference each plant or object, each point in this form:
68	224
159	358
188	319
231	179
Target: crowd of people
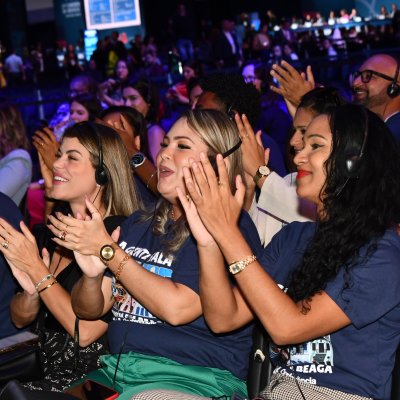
146	253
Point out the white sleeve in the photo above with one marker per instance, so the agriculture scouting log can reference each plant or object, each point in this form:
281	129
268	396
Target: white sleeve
277	206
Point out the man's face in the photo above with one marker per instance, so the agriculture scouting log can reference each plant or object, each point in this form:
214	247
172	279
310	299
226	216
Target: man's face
373	94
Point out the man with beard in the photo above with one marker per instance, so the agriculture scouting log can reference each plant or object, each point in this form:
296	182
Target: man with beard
376	86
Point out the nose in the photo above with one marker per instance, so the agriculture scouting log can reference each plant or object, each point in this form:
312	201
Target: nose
57	164
296	141
300	158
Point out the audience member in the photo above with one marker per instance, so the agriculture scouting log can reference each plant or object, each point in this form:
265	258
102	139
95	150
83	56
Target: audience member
8	285
156	304
226	49
15	160
14	68
376	86
143	96
229	93
84	107
334	270
274	120
91	164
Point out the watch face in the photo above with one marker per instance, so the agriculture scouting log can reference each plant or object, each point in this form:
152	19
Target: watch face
264	170
137	159
107	252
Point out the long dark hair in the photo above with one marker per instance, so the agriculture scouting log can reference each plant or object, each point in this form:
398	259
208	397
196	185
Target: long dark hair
357	209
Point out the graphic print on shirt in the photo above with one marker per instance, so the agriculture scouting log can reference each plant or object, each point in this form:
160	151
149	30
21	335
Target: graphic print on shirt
315	356
126	307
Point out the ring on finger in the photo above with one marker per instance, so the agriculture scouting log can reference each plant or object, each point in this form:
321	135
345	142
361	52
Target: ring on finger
62	235
5	244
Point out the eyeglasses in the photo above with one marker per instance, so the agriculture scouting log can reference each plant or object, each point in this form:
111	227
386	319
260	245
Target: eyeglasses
366	75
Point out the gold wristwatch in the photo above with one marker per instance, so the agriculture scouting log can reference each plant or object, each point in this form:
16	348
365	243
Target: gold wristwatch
107	252
263	170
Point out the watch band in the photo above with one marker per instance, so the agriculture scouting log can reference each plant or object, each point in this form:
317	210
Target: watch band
238	266
137	160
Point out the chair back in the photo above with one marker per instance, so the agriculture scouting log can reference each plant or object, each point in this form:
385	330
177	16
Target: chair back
396	377
260	367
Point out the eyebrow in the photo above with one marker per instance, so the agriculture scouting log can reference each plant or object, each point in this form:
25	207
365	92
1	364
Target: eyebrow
180	137
315	135
70	151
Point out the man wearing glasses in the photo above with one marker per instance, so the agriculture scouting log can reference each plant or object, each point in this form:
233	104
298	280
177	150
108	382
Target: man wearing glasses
376	86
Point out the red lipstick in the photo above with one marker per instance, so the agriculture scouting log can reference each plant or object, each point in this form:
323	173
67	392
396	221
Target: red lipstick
302	173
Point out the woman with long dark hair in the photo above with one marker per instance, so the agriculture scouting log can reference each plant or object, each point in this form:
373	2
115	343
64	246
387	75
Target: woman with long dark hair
143	96
339	321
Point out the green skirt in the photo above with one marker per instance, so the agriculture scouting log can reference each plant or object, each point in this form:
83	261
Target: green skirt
138	372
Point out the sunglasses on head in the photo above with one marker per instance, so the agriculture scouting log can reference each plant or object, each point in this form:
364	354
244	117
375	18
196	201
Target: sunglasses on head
366	75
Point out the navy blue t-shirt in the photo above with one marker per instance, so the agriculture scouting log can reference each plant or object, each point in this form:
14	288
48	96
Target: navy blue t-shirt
10	212
189	344
359	358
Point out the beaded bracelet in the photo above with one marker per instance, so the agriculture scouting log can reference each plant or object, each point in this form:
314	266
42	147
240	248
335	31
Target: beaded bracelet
44	279
121	266
48	286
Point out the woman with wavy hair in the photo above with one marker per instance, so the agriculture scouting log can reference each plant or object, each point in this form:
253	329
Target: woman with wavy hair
153	284
15	160
91	163
337	327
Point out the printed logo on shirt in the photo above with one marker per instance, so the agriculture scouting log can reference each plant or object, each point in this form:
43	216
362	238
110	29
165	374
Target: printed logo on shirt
126	307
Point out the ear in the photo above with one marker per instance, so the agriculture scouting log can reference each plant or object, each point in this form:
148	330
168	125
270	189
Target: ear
136	140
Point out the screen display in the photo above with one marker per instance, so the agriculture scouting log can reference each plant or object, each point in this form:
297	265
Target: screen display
111	14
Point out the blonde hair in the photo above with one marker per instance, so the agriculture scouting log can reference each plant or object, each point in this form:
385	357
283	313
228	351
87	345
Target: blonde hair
220	134
119	194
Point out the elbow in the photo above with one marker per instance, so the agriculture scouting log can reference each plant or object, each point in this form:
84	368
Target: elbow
283	336
87	336
220	326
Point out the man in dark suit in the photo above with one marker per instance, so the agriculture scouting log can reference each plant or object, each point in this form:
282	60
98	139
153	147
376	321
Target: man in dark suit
227	52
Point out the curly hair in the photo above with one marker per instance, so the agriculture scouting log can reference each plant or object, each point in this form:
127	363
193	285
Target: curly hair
234	93
358	207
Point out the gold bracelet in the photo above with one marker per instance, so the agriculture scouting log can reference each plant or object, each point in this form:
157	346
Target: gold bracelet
48	286
151	177
238	266
44	279
121	266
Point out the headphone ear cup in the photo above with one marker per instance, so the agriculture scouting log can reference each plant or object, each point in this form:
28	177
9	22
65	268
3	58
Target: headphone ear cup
101	175
393	90
349	165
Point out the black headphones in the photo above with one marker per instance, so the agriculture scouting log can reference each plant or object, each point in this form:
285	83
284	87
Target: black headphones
100	174
352	161
393	90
